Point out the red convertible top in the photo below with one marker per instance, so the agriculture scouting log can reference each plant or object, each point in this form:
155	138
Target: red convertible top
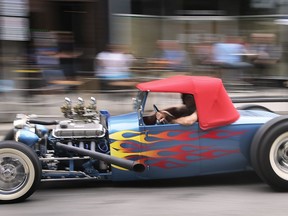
214	106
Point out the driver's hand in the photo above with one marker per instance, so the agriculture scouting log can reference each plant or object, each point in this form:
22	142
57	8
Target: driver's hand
160	116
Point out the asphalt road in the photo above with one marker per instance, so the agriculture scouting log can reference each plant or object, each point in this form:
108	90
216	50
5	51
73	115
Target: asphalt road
236	194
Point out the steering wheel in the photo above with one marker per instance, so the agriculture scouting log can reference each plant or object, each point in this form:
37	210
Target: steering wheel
155	108
158	122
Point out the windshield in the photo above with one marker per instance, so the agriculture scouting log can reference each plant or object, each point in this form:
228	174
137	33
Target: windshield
138	101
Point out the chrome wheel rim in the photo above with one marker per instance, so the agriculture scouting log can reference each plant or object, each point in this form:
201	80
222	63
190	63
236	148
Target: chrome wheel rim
279	156
13	173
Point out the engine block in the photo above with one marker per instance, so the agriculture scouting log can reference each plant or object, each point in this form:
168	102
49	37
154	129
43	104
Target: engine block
79	129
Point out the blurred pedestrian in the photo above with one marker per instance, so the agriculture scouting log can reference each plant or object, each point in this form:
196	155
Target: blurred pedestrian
67	54
265	53
171	56
113	63
229	55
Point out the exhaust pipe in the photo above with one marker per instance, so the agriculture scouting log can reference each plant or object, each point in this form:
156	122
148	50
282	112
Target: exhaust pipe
124	163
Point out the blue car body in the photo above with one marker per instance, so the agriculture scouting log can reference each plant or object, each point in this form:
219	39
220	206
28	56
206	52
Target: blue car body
173	151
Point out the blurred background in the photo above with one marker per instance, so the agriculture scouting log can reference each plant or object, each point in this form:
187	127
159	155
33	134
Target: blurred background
56	48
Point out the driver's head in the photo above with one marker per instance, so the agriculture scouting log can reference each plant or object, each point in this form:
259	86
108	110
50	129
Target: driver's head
188	100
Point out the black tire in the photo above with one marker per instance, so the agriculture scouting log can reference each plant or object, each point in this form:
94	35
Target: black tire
269	153
20	172
254	107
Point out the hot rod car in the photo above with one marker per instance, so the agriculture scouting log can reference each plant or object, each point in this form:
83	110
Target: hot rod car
91	144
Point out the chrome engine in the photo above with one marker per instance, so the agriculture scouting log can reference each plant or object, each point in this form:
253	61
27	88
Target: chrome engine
76	147
79	129
86	127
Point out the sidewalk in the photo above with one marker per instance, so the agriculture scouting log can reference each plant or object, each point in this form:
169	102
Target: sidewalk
116	103
48	106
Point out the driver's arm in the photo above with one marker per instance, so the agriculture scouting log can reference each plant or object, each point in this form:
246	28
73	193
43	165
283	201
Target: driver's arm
187	120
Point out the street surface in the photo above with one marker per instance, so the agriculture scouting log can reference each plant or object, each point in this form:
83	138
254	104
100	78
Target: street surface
237	194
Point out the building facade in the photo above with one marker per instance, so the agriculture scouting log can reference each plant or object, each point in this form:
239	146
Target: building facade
140	23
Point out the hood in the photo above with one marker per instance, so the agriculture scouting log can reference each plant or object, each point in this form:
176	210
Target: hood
123	122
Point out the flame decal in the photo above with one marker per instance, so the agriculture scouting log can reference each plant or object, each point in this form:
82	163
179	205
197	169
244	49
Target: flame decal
178	135
149	148
128	135
220	134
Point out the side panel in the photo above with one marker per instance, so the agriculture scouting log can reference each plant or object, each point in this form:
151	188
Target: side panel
226	149
171	150
125	142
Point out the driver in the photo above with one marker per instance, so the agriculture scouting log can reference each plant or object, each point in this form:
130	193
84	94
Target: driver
185	114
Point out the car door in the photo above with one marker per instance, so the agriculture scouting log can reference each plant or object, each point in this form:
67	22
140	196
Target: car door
170	150
225	149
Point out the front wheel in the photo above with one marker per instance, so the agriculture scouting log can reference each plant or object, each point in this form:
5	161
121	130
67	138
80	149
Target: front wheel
269	153
20	171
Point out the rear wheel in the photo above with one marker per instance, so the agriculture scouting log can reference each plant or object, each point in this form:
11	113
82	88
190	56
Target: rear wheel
269	153
20	171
